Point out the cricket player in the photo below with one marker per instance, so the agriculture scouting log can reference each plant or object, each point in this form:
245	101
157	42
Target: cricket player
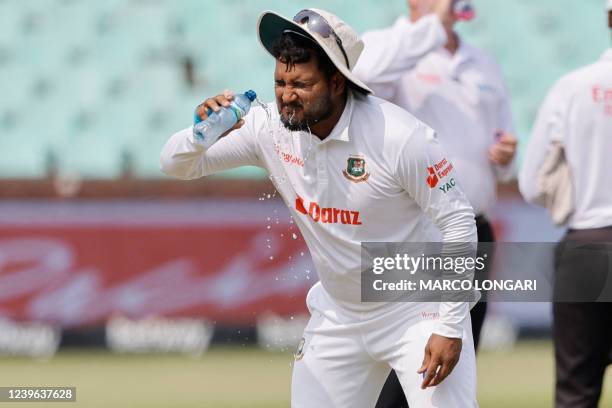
577	113
360	175
459	91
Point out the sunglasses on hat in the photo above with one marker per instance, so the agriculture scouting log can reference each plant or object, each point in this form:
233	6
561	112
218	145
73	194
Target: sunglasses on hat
316	23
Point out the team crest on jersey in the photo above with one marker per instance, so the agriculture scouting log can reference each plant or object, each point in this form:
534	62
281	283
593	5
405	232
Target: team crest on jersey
356	170
299	353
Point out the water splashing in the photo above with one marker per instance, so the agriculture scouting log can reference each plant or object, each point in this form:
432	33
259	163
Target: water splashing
266	109
291	117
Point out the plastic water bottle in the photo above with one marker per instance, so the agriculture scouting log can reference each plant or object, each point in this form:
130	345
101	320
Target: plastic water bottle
207	132
464	10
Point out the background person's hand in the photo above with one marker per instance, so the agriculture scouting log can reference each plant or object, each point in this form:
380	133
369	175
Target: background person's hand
441	357
502	153
216	103
444	10
421	7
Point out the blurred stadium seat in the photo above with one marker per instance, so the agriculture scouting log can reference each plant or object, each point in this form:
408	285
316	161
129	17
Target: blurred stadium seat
99	86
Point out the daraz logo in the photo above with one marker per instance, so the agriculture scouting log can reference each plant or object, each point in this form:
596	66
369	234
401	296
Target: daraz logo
327	215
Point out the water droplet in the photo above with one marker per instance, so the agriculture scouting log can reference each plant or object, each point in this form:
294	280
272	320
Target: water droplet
271	258
294	235
301	254
268	227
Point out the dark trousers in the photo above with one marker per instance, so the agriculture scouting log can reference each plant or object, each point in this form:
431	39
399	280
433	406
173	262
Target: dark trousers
392	395
582	329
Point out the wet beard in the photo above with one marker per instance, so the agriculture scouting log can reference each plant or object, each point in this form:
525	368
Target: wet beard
320	110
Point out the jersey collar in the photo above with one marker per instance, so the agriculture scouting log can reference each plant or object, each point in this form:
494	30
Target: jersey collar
341	130
464	54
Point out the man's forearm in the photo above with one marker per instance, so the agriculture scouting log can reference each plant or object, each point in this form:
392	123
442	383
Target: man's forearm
181	156
389	53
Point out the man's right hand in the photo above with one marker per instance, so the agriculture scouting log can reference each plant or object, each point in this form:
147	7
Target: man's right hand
216	103
441	356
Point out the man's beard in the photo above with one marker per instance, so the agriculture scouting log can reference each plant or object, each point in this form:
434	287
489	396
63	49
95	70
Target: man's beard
320	110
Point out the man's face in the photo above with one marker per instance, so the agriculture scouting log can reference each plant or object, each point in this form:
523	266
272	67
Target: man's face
303	94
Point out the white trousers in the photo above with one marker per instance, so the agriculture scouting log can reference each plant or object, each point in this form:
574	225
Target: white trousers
344	359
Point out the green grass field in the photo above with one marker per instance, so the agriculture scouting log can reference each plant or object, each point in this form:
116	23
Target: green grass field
249	377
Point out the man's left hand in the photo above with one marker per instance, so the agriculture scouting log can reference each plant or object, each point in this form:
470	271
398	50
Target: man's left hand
441	356
502	153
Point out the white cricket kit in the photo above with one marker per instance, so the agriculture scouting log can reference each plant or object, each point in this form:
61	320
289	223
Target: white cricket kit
578	113
462	96
369	180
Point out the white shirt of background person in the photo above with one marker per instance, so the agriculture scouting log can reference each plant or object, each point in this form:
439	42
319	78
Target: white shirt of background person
456	89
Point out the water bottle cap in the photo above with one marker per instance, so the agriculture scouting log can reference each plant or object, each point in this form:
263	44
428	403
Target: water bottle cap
251	95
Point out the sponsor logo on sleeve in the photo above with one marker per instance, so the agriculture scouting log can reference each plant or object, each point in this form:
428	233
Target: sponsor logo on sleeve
438	176
432	180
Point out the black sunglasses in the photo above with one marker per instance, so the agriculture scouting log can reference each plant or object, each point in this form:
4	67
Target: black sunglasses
316	23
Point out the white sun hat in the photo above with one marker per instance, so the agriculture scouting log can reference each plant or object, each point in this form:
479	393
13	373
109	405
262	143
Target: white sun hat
337	39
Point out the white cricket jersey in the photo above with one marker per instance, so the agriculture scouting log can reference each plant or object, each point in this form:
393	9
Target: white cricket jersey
380	176
462	96
578	113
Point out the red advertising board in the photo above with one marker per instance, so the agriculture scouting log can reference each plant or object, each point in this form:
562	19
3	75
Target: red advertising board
228	265
77	263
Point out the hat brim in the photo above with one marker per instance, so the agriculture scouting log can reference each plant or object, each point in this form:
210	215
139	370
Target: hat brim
271	26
